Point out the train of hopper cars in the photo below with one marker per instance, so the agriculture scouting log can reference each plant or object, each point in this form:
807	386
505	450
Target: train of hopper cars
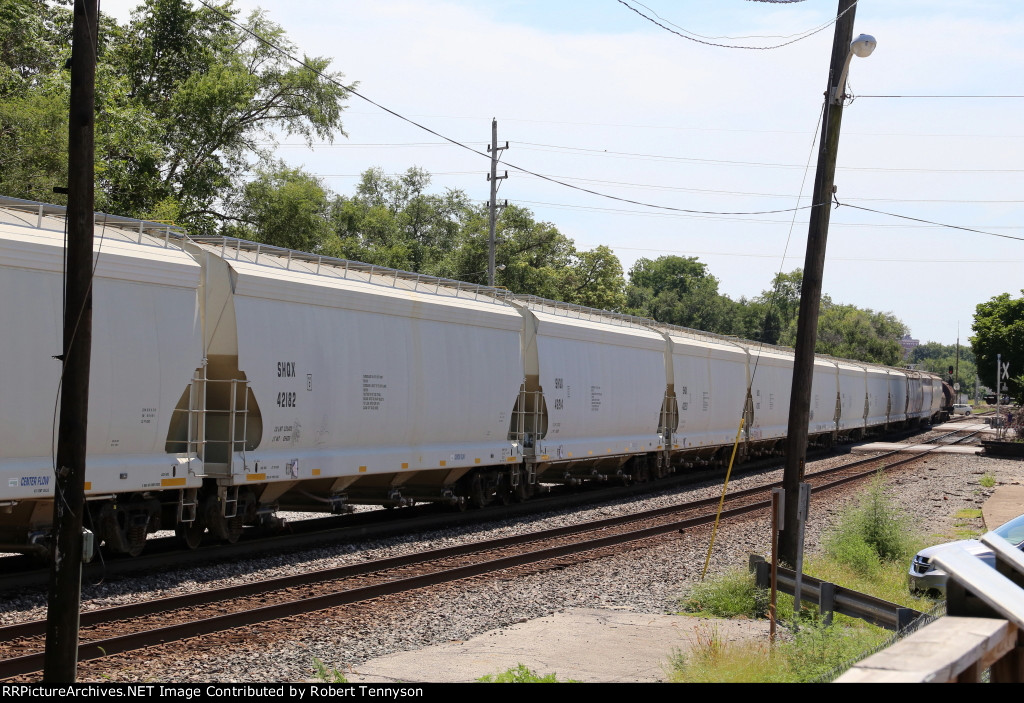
232	380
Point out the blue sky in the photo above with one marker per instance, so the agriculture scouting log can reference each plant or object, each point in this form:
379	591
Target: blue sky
593	94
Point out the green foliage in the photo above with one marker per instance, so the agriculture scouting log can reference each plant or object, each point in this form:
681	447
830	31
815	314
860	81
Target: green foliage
940	358
711	660
327	675
777	308
814	653
999	329
285	207
679	290
185	104
987	481
817	650
850	332
521	674
731	595
872	533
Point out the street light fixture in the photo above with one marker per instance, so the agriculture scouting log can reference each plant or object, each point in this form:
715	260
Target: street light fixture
862	46
844	47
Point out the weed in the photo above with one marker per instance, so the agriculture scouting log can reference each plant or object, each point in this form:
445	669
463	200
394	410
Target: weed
327	675
968	514
872	533
521	674
817	649
987	481
814	653
712	660
731	595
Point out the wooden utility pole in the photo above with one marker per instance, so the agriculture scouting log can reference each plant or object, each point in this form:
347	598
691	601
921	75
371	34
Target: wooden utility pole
810	293
493	178
61	658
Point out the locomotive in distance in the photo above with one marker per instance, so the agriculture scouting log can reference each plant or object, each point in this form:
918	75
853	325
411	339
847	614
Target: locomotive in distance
232	380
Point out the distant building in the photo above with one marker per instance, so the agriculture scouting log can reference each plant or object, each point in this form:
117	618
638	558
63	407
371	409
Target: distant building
908	344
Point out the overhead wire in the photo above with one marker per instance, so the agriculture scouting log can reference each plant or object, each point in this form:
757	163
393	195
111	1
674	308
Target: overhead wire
352	91
930	222
694	37
703	36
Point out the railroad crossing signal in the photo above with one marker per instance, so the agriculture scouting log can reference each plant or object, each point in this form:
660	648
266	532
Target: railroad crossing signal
1004	372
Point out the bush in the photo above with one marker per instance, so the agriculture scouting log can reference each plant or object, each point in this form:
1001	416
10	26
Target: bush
873	532
731	595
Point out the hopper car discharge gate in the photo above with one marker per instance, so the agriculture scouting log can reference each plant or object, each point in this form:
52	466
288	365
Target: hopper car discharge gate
216	420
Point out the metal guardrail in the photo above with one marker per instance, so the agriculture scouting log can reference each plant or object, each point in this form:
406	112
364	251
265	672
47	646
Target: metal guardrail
832	598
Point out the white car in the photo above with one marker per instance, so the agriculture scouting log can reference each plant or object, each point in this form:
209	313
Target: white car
961	409
925	577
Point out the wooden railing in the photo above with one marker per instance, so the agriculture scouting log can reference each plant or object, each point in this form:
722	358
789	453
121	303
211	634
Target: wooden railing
984	628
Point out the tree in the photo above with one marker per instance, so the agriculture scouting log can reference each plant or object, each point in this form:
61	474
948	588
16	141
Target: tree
594	278
778	307
395	222
940	358
186	104
680	291
999	329
285	207
218	95
850	332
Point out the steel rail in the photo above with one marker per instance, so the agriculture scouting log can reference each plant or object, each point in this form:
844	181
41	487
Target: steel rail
91	650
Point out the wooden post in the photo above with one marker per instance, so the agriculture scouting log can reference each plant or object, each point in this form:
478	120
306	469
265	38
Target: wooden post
61	657
810	293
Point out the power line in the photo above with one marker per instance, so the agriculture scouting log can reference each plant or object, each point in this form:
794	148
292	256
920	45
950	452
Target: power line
619	211
797	257
749	36
916	219
691	36
703	191
757	164
984	97
351	90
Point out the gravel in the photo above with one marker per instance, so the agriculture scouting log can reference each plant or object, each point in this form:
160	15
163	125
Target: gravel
647	580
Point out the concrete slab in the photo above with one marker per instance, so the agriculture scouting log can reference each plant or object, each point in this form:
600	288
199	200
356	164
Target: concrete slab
1005	504
587	645
965	427
874	447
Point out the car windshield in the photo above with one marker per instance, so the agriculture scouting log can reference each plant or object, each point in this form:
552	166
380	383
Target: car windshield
1012	531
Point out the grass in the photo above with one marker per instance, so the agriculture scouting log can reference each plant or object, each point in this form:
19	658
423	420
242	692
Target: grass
964	526
813	653
327	675
867	551
731	595
521	674
987	481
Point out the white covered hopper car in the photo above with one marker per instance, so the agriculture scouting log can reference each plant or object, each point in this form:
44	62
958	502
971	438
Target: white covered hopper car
231	380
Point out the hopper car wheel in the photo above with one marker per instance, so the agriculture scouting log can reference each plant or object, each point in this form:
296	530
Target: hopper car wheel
228	529
503	494
190	533
476	491
135	540
641	472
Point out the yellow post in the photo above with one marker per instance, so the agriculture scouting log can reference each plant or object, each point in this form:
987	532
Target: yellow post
721	500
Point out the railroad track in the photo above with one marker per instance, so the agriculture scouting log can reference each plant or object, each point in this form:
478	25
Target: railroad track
137	626
17	572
